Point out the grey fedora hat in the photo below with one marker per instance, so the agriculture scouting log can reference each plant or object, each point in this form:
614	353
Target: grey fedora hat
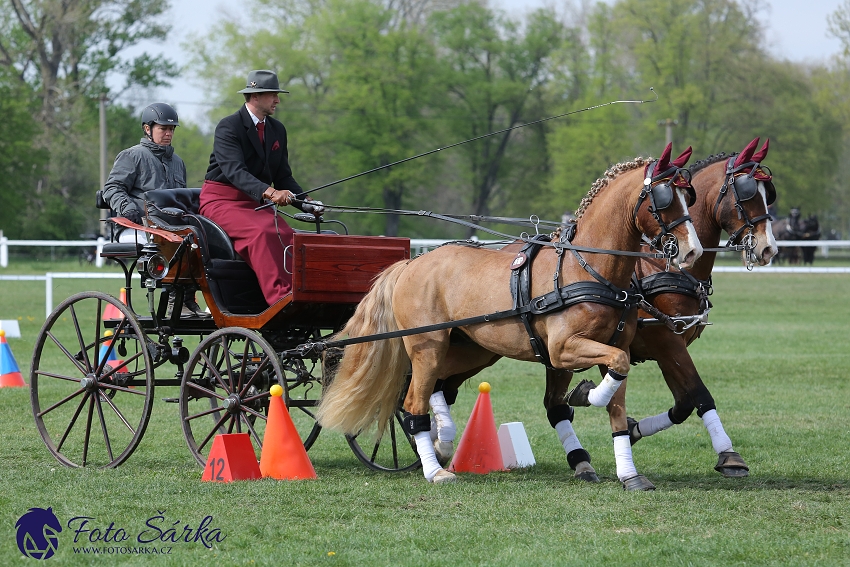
262	81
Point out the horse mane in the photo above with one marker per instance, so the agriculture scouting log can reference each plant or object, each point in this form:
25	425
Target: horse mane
710	160
602	182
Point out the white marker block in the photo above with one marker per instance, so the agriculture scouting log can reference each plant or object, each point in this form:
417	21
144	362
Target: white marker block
516	450
13	331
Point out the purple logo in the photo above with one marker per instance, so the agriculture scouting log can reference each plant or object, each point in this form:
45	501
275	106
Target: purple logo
38	533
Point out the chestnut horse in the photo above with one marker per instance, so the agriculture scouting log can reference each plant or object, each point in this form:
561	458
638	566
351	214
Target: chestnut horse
456	282
721	205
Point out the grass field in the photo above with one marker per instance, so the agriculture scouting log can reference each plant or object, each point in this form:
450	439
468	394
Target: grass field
776	361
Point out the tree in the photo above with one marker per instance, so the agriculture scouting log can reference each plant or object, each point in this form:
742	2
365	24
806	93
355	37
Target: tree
494	74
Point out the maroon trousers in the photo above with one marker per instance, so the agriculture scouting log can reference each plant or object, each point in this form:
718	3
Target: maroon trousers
260	237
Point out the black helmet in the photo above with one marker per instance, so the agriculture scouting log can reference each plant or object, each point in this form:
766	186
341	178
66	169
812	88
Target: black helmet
159	113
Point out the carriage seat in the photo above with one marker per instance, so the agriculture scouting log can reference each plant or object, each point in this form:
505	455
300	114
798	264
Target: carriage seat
232	282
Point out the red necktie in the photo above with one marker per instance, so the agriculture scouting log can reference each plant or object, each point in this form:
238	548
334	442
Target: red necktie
261	130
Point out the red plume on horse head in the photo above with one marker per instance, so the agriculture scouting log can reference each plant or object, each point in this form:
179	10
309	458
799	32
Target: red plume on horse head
749	153
664	162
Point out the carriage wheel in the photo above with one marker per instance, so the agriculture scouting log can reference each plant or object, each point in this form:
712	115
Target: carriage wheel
395	451
91	394
225	389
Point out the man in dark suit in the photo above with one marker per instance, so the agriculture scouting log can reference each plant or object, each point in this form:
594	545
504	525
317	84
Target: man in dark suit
249	164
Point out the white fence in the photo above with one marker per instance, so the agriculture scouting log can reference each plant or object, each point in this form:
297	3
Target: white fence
417	246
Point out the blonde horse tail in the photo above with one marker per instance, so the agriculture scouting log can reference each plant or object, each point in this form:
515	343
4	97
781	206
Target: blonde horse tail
367	384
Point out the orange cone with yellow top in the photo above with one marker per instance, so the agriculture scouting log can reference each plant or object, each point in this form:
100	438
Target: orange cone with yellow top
479	450
283	456
10	374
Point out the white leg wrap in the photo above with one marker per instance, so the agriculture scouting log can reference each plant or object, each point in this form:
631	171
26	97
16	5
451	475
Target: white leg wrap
446	429
652	425
567	436
719	440
602	394
623	456
425	448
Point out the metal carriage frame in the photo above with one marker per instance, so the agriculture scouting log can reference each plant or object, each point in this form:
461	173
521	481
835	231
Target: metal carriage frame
94	363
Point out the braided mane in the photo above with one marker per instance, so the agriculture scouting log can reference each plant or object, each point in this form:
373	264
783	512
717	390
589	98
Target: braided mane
710	160
602	182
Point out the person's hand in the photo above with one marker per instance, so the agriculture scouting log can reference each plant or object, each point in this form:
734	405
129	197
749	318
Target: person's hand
283	197
132	214
315	207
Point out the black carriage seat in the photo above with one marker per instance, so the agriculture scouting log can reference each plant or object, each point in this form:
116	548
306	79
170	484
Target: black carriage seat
232	282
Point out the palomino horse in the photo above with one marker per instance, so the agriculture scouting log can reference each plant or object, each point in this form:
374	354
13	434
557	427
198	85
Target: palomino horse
456	282
740	210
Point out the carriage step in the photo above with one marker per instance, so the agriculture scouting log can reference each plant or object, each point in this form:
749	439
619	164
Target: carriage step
171	400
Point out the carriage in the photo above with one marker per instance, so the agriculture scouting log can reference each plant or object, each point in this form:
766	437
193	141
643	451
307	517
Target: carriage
97	360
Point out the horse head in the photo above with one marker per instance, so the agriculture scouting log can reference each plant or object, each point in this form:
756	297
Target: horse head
661	212
738	192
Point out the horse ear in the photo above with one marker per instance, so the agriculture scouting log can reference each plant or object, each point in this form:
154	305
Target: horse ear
683	157
747	153
664	160
759	156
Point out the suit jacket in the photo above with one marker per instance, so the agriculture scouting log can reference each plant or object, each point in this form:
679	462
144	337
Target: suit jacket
239	159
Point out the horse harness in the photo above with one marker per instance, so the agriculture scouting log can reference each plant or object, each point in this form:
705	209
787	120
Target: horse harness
744	187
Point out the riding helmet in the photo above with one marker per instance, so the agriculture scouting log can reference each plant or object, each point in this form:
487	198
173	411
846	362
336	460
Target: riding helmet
159	113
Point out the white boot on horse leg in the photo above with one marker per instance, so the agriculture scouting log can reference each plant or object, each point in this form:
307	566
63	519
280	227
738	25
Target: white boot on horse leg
443	435
626	471
577	457
587	393
648	426
430	467
729	463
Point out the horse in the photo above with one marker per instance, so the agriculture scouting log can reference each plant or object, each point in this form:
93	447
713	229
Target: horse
633	198
789	228
809	230
720	205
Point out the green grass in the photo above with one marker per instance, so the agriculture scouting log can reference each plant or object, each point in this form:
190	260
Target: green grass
776	360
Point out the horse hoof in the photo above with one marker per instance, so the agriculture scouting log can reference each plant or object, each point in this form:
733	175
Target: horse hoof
638	482
578	396
731	465
588	476
444	451
443	476
634	431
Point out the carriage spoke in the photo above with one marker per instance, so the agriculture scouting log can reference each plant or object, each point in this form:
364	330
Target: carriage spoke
67	353
114	370
103	426
88	431
243	366
212	432
211	393
203	413
122	389
57	376
119	414
73	421
212	368
393	441
102	362
231	425
83	348
228	363
260	368
253	432
252	412
67	398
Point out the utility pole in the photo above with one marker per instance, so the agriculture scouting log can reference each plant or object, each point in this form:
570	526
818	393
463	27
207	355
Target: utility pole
103	165
668	124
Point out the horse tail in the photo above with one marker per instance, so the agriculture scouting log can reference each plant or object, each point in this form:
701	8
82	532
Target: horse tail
367	384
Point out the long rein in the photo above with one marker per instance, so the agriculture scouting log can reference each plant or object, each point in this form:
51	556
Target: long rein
561	245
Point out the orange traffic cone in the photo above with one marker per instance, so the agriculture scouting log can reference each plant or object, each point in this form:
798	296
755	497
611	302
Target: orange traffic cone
284	456
479	451
109	354
112	312
231	458
10	374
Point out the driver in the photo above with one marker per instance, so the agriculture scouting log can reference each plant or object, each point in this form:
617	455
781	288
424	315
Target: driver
148	166
249	164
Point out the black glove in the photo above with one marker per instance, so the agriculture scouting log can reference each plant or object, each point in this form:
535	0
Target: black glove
132	214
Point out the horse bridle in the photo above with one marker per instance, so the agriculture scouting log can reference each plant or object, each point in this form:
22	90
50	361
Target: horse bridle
661	190
745	187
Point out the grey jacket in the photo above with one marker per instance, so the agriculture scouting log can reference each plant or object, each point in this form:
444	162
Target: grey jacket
141	168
